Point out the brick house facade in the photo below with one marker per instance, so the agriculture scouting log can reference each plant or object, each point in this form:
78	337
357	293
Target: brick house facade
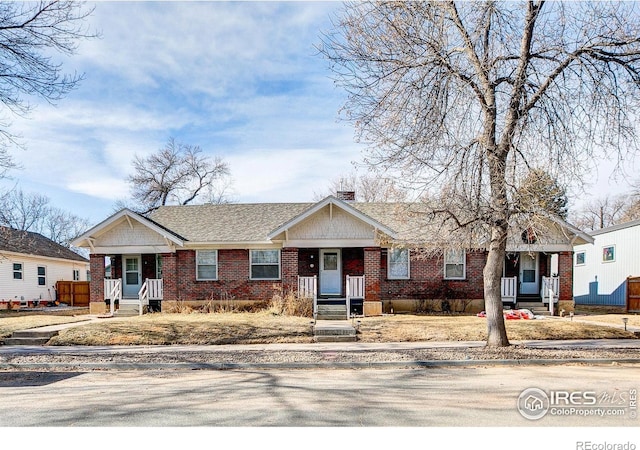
247	253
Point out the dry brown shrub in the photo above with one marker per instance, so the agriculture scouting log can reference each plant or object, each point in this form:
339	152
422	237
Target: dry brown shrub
290	305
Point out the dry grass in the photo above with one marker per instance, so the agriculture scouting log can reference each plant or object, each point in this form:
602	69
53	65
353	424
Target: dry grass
19	321
196	328
279	323
266	327
409	328
616	319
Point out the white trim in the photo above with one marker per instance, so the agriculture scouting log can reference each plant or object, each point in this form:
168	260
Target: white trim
330	243
545	248
391	277
133	249
464	266
251	264
217	264
239	245
331	201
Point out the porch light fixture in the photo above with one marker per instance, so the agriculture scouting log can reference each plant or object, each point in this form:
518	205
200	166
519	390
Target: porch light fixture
625	320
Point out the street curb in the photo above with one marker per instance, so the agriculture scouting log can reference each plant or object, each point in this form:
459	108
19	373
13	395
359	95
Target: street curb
320	365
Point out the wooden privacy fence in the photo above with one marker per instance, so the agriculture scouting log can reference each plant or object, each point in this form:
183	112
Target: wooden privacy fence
73	293
633	294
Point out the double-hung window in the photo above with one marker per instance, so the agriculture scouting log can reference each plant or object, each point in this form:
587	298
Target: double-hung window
265	264
207	265
398	263
17	271
454	265
42	276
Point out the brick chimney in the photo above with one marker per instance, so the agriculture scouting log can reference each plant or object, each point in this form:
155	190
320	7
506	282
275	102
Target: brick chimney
347	196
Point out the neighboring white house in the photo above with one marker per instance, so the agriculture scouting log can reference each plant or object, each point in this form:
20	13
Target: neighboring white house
31	264
600	270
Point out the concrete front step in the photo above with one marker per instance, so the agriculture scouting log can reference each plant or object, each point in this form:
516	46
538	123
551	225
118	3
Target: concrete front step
34	333
332	312
334	331
25	341
30	337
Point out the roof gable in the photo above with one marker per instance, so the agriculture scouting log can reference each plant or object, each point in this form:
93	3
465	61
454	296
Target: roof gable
331	202
134	221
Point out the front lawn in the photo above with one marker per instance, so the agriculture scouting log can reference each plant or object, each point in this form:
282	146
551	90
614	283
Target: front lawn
265	328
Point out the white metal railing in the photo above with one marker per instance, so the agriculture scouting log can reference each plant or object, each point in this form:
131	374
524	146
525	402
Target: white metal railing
354	290
113	292
509	289
308	288
151	290
550	288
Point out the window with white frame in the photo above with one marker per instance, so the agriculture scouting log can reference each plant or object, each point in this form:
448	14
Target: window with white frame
76	275
207	265
17	271
581	258
265	264
42	276
609	253
398	263
455	264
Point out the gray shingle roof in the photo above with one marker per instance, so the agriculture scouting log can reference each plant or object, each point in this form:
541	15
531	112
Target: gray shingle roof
29	243
228	222
255	221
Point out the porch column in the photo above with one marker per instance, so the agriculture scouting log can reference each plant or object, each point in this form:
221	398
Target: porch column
96	285
170	277
565	272
372	305
289	270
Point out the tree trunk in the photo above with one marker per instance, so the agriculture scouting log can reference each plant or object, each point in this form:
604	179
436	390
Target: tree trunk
496	330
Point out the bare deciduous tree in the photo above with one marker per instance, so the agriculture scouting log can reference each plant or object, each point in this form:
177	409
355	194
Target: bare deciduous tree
30	33
603	212
469	96
33	212
368	188
176	174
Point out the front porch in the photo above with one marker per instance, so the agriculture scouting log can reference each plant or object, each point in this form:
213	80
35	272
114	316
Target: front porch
332	307
150	291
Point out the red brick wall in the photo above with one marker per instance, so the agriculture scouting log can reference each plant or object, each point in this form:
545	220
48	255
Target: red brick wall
116	267
427	279
148	266
96	285
308	257
565	267
353	262
233	279
170	276
372	273
289	268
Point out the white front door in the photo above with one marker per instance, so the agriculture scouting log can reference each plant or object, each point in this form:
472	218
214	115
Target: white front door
330	272
132	276
529	273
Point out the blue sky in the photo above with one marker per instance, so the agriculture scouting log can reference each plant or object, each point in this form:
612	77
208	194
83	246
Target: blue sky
242	80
